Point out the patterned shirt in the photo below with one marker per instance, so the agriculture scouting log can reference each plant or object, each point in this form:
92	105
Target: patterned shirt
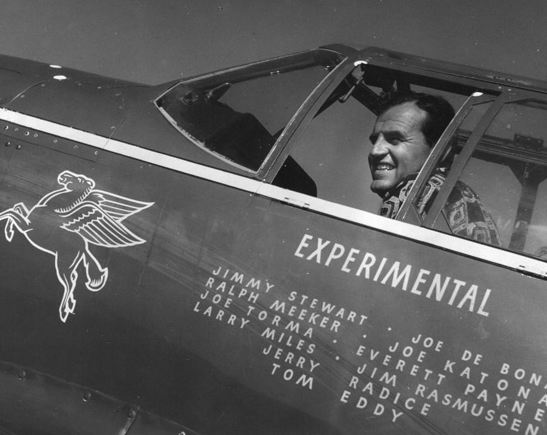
464	212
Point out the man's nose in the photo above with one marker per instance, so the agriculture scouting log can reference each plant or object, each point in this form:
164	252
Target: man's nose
379	147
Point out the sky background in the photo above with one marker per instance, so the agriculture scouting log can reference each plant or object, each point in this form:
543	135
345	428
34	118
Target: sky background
154	41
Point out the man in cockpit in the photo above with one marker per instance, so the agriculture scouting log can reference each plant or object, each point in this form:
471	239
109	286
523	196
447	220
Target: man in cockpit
407	128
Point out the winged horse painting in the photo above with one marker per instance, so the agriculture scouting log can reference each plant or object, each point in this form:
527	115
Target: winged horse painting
64	222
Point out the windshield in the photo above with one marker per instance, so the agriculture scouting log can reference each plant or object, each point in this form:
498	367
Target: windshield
239	114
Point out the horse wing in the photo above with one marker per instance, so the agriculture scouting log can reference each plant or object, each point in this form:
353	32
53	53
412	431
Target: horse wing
115	206
98	227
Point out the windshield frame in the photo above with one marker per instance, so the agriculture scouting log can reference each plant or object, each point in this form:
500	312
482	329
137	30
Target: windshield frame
329	59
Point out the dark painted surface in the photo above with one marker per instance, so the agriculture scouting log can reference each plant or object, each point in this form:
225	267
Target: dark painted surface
229	319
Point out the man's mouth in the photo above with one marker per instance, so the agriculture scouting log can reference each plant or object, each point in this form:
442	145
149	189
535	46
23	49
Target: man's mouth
383	167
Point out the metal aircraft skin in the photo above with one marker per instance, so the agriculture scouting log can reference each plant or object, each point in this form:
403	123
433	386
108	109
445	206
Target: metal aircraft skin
205	256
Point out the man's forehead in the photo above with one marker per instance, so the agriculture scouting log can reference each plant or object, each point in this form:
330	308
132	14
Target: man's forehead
405	116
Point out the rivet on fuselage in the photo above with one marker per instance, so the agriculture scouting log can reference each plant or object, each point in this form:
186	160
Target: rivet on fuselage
8	143
22	375
87	396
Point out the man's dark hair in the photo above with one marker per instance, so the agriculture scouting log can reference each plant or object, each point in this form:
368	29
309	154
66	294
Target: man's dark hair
439	112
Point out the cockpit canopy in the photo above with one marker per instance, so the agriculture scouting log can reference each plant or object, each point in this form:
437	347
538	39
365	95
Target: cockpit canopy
302	121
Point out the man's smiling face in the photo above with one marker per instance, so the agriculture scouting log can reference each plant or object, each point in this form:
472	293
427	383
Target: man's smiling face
399	148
